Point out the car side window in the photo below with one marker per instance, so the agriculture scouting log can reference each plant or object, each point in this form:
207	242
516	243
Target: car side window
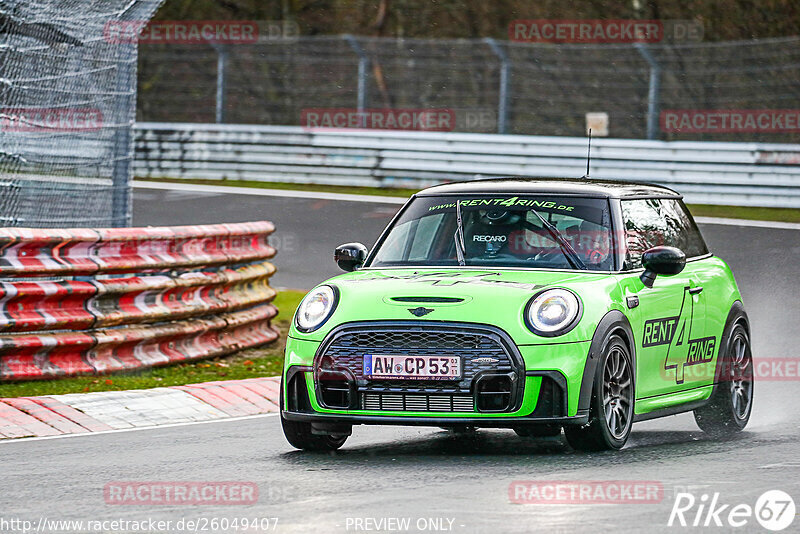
424	236
693	240
397	243
655	222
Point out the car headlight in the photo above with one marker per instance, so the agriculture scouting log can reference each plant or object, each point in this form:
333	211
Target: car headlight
316	308
553	312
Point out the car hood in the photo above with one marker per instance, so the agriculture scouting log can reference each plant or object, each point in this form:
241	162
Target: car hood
493	297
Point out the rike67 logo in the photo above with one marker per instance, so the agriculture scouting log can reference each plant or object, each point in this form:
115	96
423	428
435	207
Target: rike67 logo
774	510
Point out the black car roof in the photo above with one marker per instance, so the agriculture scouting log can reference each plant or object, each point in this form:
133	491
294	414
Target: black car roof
561	186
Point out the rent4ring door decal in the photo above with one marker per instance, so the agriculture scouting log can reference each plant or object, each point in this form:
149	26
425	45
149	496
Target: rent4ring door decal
678	333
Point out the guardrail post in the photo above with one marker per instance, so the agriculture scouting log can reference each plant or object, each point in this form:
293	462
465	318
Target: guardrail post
654	91
505	70
222	62
363	64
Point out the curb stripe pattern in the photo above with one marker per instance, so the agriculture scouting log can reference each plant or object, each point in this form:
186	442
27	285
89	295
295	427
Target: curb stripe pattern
81	413
49	417
136	347
71	304
83	251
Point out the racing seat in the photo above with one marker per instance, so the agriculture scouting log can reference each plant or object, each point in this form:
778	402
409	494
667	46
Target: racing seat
491	233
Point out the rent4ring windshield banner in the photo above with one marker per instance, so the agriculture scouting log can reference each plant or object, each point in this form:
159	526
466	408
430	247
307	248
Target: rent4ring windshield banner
503	230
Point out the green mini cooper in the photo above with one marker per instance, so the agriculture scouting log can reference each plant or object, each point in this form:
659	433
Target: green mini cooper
533	305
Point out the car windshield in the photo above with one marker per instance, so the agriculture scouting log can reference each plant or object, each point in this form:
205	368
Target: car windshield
501	231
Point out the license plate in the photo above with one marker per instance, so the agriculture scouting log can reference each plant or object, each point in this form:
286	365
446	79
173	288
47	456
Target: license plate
401	366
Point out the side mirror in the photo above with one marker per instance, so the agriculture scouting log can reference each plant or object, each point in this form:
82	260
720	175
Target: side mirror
350	256
661	260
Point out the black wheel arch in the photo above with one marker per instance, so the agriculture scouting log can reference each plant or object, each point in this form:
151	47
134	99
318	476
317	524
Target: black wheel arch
736	315
612	322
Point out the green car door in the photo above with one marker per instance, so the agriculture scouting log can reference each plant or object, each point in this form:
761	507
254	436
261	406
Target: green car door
674	349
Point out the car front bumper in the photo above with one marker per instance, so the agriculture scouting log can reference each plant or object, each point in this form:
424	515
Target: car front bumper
542	403
544	381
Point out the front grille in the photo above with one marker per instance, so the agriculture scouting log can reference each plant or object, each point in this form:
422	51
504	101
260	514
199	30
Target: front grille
415	402
481	350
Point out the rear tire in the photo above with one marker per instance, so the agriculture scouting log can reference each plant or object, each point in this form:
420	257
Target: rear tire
611	411
731	403
300	436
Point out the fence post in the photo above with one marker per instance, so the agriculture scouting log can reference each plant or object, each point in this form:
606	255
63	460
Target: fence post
363	64
653	92
222	63
125	117
502	104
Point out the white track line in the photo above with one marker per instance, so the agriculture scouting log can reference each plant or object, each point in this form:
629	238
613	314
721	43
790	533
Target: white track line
258	192
154	427
377	199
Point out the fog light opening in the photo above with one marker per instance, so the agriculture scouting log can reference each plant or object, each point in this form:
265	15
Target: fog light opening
336	389
494	393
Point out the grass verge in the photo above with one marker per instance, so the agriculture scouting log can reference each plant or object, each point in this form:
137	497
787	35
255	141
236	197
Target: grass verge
249	363
704	210
746	212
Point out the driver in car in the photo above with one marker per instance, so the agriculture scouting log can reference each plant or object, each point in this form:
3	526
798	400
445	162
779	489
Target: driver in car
502	232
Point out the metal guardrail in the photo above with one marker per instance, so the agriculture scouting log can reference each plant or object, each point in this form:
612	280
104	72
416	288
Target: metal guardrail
190	292
751	174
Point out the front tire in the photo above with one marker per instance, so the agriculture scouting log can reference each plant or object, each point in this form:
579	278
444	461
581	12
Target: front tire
300	436
731	403
611	412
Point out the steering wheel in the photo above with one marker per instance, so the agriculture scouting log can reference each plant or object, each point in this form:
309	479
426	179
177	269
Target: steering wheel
594	256
549	257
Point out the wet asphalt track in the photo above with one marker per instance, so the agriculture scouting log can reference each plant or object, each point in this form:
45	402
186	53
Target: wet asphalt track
422	473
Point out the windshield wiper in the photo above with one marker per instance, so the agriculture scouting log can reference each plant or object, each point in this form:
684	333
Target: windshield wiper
459	235
569	252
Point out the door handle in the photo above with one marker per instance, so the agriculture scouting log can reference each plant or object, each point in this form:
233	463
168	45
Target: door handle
696	290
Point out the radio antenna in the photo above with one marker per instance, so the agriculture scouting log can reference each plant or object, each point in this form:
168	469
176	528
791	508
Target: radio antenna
588	154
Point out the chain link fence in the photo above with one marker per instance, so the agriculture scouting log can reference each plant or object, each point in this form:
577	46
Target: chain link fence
492	86
67	105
